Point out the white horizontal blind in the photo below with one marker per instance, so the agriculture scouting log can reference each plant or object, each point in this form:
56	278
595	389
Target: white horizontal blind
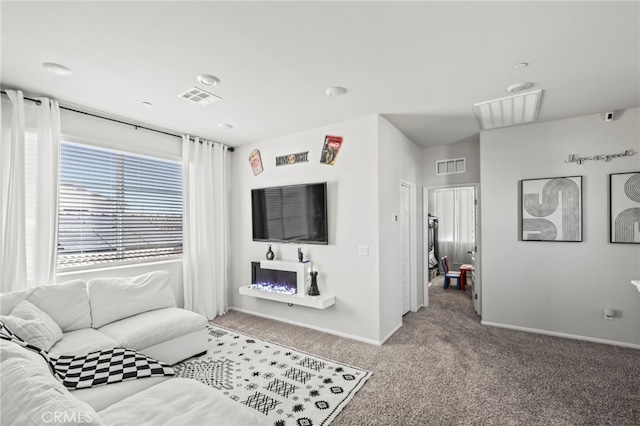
117	207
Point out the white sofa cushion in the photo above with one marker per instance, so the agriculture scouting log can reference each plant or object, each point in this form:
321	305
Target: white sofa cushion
66	303
30	395
33	325
179	348
100	397
153	327
113	299
81	342
181	402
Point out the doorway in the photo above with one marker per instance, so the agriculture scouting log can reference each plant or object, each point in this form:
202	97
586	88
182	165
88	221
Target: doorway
455	210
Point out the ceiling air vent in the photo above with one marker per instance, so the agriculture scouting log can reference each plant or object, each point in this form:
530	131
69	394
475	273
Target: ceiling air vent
517	109
200	97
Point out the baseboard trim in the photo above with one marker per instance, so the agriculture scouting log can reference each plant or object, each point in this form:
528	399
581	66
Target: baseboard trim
391	333
324	330
564	335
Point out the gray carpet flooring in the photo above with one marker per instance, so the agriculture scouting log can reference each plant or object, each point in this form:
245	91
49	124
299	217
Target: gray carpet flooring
444	368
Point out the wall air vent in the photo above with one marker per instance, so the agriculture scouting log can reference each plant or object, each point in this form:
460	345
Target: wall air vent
509	111
199	96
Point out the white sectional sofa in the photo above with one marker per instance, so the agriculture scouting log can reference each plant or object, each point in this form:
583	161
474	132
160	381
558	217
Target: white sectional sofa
79	317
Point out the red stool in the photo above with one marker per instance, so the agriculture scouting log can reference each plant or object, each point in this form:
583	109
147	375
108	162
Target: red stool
463	275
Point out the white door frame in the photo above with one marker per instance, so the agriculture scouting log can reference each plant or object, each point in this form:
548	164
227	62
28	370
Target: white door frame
413	255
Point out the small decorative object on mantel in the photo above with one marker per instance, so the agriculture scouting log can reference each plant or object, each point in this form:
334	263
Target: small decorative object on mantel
300	255
313	290
256	162
270	254
575	158
330	149
285	160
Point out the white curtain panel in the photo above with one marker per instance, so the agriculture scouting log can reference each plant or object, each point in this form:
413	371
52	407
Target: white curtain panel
205	222
29	188
455	209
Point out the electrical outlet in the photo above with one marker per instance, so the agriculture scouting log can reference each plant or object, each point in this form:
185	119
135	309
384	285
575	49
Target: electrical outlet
609	314
363	250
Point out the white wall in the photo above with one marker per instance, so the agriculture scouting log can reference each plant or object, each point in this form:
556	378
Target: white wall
353	221
555	287
99	132
469	149
398	161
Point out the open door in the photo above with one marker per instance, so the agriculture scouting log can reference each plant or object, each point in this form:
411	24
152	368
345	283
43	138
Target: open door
476	287
405	238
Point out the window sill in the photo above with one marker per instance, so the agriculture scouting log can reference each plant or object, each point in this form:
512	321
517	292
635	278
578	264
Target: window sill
73	271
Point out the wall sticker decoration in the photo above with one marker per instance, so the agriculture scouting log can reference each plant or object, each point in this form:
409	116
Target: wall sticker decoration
552	209
330	149
256	162
285	160
575	158
624	208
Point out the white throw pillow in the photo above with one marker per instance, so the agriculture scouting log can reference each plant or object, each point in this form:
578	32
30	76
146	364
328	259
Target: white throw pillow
113	299
33	326
67	304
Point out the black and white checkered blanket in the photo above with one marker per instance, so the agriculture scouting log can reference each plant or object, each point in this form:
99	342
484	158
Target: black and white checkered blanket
96	368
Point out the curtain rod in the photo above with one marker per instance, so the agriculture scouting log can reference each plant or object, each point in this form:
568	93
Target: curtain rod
137	126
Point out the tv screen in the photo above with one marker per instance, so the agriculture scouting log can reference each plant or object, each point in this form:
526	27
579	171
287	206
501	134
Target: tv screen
294	213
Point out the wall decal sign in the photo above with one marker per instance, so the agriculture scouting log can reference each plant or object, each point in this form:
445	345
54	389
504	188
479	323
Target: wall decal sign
552	209
575	158
256	162
624	208
330	149
285	160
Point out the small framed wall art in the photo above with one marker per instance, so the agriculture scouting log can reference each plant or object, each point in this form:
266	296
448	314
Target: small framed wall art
256	162
551	209
624	208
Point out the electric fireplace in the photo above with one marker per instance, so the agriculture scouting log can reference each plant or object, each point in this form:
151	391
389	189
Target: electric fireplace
273	280
284	281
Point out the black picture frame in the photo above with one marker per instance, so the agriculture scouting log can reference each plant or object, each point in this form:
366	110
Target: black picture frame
624	208
551	209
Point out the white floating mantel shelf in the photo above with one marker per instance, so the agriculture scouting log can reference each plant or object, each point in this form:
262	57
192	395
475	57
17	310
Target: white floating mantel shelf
319	302
302	270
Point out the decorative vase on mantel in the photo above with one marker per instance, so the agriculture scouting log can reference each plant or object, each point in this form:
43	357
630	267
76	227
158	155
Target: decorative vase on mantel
270	254
313	290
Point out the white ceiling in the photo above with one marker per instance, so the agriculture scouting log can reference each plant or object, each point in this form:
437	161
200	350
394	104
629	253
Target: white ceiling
422	65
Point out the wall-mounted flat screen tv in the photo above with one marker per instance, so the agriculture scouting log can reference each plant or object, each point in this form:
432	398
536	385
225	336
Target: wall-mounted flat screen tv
293	213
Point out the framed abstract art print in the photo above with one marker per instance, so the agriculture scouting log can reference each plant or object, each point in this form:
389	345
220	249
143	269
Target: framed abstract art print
551	209
624	208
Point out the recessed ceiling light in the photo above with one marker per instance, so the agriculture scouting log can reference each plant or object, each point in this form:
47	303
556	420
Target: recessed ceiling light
520	66
147	104
519	87
336	91
56	68
225	126
208	79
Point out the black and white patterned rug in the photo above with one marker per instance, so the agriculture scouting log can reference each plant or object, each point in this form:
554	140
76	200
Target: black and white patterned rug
288	386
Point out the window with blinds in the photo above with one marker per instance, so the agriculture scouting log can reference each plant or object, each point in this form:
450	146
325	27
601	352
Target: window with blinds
117	207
